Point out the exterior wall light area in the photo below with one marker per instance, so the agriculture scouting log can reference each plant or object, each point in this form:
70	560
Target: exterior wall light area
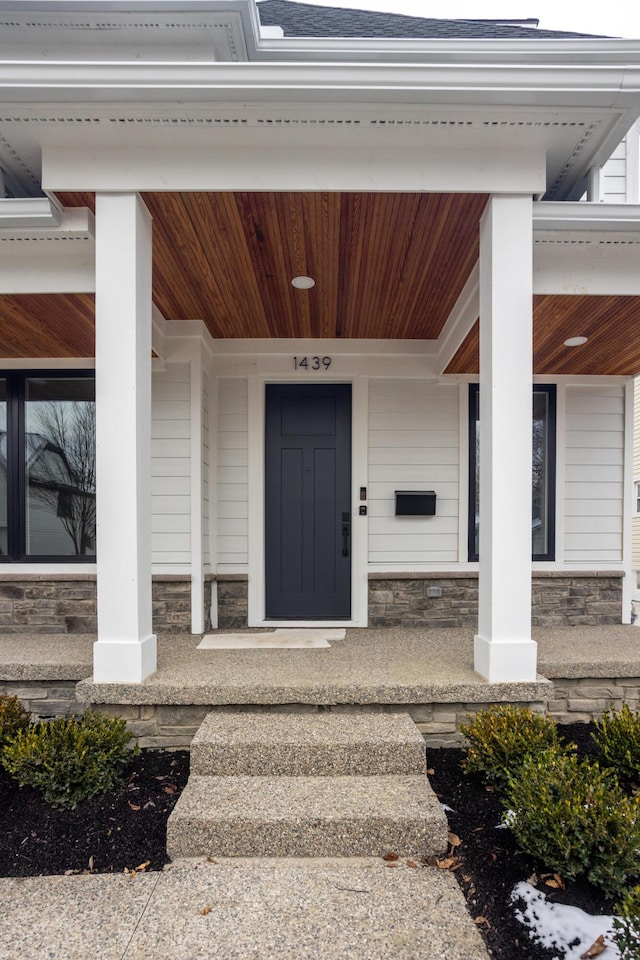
575	341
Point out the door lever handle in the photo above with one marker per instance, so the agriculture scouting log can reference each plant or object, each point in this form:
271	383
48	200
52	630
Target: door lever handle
346	529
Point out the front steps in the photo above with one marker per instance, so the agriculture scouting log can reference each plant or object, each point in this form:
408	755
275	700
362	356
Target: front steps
307	785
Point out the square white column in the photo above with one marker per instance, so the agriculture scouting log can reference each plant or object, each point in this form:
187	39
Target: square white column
126	647
503	648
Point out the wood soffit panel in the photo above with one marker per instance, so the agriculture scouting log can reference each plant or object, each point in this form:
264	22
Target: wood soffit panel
387	266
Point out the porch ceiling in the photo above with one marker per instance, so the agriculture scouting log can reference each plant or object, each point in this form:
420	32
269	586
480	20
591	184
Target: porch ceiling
612	325
387	266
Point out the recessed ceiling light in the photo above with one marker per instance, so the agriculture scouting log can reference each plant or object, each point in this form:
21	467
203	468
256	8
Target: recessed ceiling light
575	341
303	283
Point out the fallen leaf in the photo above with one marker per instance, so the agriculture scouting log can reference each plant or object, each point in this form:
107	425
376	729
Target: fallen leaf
170	788
390	856
533	880
553	880
391	864
91	863
431	771
211	860
445	864
134	806
454	840
205	911
597	947
412	863
143	866
482	922
70	873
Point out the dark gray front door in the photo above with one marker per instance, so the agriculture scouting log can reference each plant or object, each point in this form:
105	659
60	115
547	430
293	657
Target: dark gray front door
308	501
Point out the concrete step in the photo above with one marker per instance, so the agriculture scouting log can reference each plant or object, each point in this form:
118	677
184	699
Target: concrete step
307	817
314	744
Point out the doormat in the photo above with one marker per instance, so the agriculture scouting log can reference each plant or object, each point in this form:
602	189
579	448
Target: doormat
291	639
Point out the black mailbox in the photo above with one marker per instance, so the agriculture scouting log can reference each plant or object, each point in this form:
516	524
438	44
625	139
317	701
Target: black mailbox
415	503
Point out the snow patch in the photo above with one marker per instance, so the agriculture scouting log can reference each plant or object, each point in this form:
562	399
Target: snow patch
557	926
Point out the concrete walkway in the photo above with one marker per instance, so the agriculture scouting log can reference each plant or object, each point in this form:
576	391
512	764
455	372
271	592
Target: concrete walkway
351	909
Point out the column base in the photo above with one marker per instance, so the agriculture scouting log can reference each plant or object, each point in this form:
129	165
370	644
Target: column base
505	661
124	661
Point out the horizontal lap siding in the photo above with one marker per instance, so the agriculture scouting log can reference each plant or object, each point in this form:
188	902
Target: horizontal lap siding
413	445
206	510
171	467
614	176
594	474
232	473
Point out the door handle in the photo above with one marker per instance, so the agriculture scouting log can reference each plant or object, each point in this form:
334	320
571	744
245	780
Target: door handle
346	530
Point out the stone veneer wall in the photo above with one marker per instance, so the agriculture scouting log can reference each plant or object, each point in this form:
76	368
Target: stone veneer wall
233	602
66	603
558	598
174	726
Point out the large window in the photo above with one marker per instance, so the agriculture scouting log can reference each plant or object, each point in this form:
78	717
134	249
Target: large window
47	466
543	468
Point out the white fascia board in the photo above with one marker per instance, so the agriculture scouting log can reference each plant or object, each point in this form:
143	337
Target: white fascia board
591	217
40	217
583	85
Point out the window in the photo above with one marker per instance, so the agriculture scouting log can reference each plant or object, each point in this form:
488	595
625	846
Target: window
47	466
543	470
636	498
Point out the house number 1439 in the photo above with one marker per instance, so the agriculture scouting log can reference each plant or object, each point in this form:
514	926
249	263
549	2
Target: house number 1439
311	363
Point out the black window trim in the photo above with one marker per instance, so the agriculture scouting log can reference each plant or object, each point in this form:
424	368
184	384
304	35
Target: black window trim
474	410
16	508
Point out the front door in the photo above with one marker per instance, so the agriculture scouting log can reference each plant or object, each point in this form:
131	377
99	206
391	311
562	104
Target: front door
308	501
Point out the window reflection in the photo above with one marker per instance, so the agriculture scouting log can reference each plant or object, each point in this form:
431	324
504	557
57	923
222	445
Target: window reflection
60	474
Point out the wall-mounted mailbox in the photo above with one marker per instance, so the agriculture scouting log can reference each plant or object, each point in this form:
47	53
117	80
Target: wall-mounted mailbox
415	503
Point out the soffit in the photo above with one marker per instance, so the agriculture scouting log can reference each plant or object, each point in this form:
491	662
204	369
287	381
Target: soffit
387	266
612	325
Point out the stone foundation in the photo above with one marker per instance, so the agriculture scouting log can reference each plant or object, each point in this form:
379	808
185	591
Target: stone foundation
66	603
558	599
174	726
233	603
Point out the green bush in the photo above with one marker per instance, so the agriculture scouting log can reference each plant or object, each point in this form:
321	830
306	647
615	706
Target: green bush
501	737
13	718
574	817
617	737
69	759
626	926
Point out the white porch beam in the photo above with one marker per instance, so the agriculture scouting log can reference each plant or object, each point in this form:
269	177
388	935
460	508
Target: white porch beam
462	318
292	160
503	648
586	264
126	647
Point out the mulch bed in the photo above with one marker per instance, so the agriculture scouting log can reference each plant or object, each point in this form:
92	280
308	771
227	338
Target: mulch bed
126	830
490	865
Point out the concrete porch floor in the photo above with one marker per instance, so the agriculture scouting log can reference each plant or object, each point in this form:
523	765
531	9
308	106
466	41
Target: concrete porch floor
382	665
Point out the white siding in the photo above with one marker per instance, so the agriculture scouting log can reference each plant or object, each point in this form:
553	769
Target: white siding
593	493
171	468
232	473
205	469
636	474
413	445
614	179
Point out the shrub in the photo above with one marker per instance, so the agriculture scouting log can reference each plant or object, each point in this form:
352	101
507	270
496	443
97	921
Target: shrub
13	718
574	817
617	737
626	926
69	759
501	737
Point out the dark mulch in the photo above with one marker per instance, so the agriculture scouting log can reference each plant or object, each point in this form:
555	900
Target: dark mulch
127	828
490	864
120	830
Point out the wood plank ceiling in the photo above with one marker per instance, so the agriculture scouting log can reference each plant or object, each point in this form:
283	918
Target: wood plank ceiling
611	324
387	266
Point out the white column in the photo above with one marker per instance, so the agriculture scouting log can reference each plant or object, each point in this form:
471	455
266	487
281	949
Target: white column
503	649
126	647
